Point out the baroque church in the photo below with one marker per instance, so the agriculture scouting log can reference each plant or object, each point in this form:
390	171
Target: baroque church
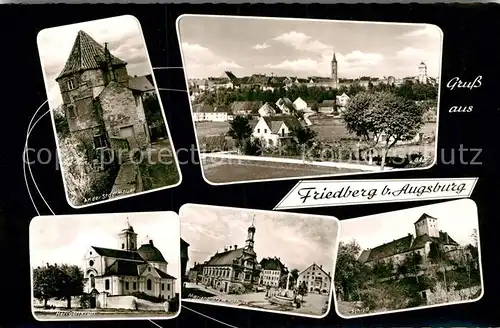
102	103
128	269
426	233
234	267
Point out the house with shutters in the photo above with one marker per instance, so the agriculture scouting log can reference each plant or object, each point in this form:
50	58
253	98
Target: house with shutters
315	279
207	113
426	233
275	130
130	268
102	103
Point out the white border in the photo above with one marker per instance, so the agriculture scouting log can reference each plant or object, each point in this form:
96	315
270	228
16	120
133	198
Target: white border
177	24
434	305
161	107
302	216
395	200
89	317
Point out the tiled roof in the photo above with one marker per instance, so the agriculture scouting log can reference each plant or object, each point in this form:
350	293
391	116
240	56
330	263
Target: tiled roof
140	83
225	258
164	275
202	108
423	217
363	257
86	54
184	243
275	122
271	106
327	102
395	247
246	106
272	264
122	268
118	253
445	239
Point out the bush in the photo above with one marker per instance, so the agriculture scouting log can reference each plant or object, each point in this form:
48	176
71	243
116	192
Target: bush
173	304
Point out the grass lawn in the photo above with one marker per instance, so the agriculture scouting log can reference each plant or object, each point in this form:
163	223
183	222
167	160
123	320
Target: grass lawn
254	170
206	129
158	175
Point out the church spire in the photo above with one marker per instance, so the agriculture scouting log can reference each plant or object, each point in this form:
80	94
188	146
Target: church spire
334	58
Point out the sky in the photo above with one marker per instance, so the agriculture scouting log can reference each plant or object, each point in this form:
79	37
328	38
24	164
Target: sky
65	239
125	41
298	47
457	218
298	240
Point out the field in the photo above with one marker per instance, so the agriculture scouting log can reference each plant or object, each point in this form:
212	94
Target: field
328	129
224	171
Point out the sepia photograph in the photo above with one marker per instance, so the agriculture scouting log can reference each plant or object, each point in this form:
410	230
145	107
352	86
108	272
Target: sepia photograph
411	259
106	266
111	133
300	98
259	260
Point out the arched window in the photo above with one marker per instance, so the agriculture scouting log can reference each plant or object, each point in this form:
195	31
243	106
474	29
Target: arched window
149	284
106	284
92	281
123	246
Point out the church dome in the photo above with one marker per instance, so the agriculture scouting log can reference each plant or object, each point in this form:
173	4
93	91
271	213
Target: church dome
150	253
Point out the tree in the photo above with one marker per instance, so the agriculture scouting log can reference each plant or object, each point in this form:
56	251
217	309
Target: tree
348	270
240	130
382	119
294	276
60	282
303	137
302	290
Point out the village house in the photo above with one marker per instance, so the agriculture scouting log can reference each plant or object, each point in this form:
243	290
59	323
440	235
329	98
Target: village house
206	113
272	271
128	269
245	107
233	268
316	279
101	102
268	109
275	130
342	101
307	106
195	273
286	106
327	106
397	251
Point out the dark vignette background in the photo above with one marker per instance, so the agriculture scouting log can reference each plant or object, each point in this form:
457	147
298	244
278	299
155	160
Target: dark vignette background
469	51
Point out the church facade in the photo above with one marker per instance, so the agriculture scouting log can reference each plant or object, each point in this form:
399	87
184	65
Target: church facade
101	102
234	268
128	269
426	233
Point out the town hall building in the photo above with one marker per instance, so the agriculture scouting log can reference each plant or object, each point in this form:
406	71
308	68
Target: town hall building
233	268
101	102
128	269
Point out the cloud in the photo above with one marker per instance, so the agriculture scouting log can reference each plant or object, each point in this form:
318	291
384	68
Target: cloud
426	32
358	58
261	46
301	41
299	65
198	57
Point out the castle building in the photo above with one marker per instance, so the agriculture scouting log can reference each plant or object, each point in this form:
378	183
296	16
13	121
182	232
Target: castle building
233	268
127	269
316	279
426	233
272	270
102	103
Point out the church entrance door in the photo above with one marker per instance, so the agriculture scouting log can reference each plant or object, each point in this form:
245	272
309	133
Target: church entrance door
92	302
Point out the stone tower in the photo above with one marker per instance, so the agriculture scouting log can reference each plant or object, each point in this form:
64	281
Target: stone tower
426	225
88	69
127	238
334	74
422	73
250	237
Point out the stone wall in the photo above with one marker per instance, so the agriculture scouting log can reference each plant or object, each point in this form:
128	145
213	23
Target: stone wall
116	302
440	296
120	111
75	302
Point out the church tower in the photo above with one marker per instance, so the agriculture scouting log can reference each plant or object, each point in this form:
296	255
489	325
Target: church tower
426	225
127	239
334	74
422	73
250	237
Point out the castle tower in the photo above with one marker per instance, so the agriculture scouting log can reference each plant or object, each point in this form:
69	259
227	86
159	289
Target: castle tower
422	73
249	243
334	73
127	238
426	225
